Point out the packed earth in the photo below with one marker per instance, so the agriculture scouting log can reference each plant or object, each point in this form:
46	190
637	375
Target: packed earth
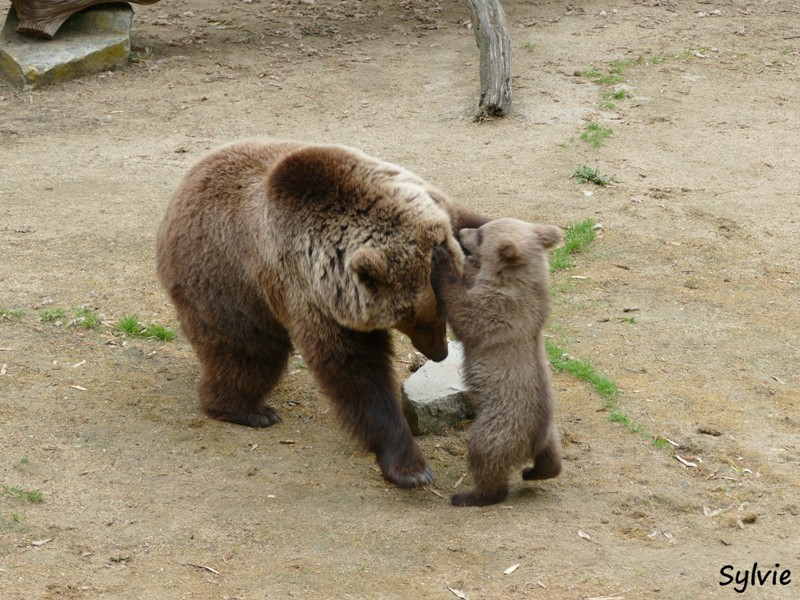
683	484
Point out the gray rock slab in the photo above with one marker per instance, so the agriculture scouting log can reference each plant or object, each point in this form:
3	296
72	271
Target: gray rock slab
435	396
93	40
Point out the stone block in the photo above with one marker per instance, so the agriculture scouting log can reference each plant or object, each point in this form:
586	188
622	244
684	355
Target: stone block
435	396
93	40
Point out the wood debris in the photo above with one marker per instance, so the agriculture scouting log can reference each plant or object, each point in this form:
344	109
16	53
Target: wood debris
511	569
204	567
457	593
685	462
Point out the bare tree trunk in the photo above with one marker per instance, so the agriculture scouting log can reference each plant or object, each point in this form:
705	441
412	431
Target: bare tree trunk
494	42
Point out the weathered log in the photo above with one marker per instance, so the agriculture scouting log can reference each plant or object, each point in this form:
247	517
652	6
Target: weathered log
494	41
42	18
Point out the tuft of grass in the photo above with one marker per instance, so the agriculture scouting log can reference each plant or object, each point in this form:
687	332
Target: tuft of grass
131	326
601	78
159	332
585	174
630	320
15	491
576	237
86	317
613	95
51	315
595	134
11	314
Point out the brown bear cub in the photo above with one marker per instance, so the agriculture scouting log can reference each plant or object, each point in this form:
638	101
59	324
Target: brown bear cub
498	310
272	245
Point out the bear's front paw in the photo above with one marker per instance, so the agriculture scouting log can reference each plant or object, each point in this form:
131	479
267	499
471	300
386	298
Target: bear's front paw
409	477
263	417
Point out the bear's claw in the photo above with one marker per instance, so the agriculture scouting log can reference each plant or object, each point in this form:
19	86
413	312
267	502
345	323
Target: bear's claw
406	478
263	417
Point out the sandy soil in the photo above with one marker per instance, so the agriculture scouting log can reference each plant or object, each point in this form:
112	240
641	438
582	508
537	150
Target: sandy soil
142	497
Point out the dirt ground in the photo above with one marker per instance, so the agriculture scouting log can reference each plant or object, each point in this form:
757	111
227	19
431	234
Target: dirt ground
140	496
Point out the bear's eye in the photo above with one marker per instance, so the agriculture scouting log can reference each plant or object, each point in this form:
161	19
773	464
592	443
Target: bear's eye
480	237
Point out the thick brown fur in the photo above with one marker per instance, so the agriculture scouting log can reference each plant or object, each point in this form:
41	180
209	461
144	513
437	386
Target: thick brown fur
498	309
270	245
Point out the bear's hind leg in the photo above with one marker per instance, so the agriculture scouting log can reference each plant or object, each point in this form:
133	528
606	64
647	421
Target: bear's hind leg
237	376
354	369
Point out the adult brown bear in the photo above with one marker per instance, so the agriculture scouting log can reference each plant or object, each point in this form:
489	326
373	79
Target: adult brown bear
270	244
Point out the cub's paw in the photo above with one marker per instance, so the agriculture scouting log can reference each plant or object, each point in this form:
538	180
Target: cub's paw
442	269
474	498
541	470
546	464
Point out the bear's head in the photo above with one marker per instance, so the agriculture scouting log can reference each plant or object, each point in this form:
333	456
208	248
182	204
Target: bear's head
394	286
506	251
366	230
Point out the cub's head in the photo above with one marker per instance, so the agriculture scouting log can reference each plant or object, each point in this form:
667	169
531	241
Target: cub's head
509	251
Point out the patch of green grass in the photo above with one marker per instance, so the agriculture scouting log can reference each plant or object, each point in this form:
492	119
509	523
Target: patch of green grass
528	46
11	314
582	370
49	315
15	491
86	317
601	78
612	95
595	134
131	326
585	174
576	237
627	319
159	332
603	385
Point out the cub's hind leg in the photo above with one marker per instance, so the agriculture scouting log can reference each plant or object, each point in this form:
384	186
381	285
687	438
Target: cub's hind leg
547	462
489	457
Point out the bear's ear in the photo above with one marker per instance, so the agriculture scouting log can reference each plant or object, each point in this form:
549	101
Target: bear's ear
549	235
370	267
313	173
509	252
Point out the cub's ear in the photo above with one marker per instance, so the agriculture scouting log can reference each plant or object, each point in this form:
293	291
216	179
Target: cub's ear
370	267
509	252
549	235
